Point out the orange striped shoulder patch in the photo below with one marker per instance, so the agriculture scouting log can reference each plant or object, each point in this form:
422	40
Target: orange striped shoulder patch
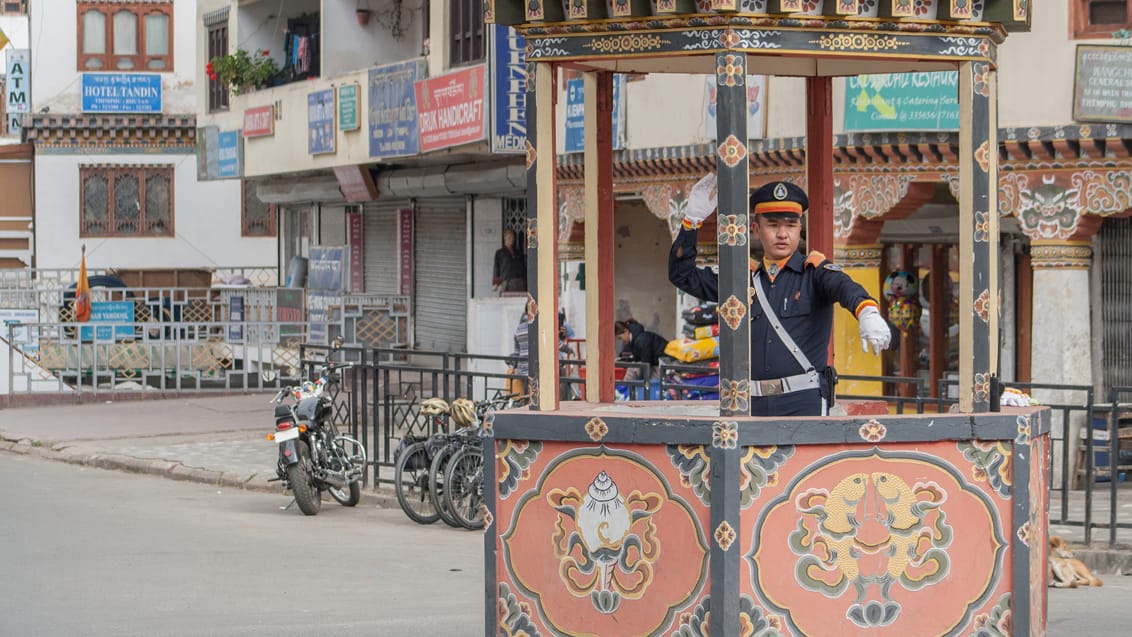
814	259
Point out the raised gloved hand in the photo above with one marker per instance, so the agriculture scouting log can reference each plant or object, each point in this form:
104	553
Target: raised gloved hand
874	330
701	199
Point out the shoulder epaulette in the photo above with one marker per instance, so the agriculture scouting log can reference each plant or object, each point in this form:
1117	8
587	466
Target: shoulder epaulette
814	259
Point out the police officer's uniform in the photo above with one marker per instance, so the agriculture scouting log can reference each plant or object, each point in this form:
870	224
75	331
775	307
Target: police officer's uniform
801	295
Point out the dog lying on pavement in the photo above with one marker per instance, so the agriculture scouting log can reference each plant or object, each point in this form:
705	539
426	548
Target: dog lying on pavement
1066	571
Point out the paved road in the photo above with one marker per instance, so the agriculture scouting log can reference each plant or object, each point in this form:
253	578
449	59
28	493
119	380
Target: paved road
87	551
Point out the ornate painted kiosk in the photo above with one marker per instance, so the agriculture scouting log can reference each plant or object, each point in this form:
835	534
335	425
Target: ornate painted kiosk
690	519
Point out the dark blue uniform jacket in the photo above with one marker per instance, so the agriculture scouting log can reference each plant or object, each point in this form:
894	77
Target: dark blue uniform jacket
802	296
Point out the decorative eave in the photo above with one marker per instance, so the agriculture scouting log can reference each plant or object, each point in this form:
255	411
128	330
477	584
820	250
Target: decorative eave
151	131
1019	148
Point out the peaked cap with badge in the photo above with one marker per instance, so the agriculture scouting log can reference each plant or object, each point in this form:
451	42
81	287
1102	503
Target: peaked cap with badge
779	198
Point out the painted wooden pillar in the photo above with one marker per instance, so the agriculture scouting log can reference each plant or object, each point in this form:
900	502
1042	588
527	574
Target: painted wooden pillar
735	295
819	163
733	235
978	234
598	139
542	236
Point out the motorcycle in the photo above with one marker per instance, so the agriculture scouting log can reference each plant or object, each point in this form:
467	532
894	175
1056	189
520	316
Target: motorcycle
313	454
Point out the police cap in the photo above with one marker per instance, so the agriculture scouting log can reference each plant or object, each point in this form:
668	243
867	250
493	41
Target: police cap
779	198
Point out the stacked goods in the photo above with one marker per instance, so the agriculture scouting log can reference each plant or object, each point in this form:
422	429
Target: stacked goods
701	331
687	351
700	315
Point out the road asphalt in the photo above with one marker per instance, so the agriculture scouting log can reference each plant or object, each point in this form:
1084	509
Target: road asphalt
220	439
210	439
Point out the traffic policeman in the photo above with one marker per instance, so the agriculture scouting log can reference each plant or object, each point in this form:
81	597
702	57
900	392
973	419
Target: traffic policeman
792	314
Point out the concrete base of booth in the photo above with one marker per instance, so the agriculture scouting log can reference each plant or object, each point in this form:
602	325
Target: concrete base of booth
666	519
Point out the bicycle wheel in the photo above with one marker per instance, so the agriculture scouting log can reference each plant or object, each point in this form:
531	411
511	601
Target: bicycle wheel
463	482
412	485
436	481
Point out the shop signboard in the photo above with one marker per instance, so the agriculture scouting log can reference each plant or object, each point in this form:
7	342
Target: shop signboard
1102	86
320	123
393	109
576	115
259	121
121	92
927	101
508	91
228	154
348	107
450	109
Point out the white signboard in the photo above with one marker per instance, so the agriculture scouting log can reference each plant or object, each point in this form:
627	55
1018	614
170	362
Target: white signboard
10	320
18	90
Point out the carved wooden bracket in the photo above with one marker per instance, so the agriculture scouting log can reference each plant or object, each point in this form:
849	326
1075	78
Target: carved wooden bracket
1063	205
861	204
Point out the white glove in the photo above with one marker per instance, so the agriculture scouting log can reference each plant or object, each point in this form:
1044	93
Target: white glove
701	199
874	330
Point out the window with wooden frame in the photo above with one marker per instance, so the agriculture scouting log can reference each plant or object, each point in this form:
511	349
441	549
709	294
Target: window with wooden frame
13	7
125	35
258	218
466	32
126	201
1098	18
217	47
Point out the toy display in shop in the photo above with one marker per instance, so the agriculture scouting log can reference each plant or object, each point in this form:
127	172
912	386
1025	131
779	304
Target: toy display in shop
902	292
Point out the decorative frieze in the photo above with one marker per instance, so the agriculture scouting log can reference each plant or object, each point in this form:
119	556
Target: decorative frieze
858	257
1070	255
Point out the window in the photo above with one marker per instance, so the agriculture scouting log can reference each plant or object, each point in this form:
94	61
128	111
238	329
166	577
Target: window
259	218
13	7
217	46
466	33
125	36
1098	18
126	201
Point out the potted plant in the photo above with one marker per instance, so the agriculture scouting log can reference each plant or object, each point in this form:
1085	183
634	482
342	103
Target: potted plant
242	71
363	13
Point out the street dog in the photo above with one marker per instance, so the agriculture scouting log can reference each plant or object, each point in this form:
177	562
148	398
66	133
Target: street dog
1066	571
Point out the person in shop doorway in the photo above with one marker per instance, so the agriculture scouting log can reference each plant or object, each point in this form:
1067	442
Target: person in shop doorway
509	274
640	346
791	308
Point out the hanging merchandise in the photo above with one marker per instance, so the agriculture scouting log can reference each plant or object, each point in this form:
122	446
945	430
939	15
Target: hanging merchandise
902	292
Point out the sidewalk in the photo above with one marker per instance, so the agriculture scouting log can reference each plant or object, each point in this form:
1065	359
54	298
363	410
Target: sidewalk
211	439
220	440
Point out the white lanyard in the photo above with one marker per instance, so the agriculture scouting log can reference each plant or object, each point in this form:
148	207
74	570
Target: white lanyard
778	329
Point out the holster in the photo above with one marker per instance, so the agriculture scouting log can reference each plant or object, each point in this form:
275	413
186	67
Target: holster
830	375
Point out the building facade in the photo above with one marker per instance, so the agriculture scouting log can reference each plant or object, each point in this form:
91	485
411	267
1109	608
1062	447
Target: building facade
113	126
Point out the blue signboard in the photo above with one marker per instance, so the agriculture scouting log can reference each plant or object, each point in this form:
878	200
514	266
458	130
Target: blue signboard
326	268
576	117
228	154
119	316
393	109
508	91
927	101
321	137
121	92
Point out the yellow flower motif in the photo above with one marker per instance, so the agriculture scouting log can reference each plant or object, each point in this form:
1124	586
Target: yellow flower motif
873	431
724	535
733	230
725	434
732	151
732	312
596	429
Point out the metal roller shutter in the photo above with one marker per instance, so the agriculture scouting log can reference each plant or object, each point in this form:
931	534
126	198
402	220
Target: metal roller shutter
379	226
441	271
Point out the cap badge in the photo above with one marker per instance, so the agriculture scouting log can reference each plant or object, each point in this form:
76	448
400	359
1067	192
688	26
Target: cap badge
780	191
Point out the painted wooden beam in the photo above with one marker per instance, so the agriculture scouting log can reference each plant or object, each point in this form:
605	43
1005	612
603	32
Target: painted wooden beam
598	139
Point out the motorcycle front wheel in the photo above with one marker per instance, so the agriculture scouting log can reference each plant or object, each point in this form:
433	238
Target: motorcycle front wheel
300	477
347	496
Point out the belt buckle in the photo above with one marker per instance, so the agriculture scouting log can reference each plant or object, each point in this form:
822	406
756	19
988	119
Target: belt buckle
772	387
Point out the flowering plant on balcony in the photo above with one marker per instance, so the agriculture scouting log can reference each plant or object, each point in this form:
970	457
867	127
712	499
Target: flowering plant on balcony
242	71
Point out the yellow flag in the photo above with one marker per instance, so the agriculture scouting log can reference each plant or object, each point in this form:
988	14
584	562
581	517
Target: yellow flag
80	309
3	39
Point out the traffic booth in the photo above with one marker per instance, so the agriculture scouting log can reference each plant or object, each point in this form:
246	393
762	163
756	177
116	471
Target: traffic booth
692	518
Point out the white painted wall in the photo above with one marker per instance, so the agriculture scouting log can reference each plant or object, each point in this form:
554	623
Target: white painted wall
15	27
487	237
349	46
56	79
206	218
641	287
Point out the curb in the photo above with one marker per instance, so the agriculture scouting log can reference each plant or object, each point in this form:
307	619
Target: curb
381	497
